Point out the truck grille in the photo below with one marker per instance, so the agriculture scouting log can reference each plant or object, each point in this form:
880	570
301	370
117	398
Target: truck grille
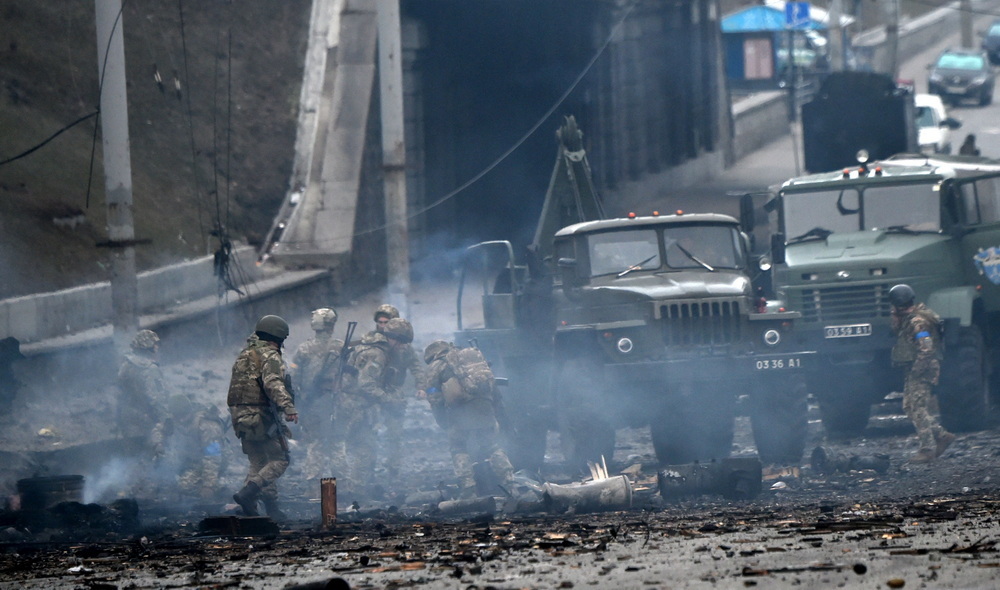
701	323
845	304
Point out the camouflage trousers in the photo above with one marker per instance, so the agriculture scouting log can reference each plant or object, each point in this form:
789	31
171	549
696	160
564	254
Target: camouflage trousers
392	414
918	403
201	479
470	446
268	461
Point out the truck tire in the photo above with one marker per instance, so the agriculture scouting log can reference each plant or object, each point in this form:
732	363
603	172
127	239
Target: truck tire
778	413
525	446
844	403
586	431
689	430
963	391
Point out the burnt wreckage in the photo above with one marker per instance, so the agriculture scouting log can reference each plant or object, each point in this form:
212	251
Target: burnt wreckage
642	320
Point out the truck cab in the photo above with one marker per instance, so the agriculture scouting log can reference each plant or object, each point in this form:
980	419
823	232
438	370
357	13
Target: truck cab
842	239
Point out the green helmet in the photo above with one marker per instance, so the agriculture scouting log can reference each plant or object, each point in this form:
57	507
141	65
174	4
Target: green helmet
386	310
323	318
399	329
273	325
436	350
902	296
145	340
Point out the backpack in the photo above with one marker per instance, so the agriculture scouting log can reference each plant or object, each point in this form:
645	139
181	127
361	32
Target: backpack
472	371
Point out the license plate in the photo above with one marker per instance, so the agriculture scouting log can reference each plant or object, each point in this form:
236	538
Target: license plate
778	364
955	90
850	331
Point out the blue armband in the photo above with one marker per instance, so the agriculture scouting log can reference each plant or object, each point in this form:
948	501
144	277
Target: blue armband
433	390
924	334
214	449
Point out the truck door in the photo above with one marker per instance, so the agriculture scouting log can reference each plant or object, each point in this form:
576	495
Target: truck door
978	200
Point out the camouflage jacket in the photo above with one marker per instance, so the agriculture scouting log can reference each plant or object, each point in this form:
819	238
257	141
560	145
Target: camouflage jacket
401	361
365	383
918	338
141	411
316	365
259	377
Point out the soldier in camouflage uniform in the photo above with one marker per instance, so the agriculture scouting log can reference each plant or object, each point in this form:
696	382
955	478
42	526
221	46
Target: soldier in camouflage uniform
195	446
917	351
141	413
315	364
364	388
257	393
470	419
392	410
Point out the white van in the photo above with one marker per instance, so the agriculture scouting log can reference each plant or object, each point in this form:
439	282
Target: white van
933	124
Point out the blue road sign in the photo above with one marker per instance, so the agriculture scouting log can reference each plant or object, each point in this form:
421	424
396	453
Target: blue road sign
797	15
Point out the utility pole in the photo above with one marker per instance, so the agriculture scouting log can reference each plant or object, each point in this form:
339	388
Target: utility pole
965	16
892	37
390	67
117	171
836	40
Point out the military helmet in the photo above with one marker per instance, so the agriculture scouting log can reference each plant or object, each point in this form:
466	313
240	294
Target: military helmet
902	296
386	310
399	329
272	325
145	340
435	350
323	318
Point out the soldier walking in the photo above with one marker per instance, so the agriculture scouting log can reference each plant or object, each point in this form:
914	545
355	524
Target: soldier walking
392	410
141	412
461	391
257	394
917	351
195	446
315	362
364	389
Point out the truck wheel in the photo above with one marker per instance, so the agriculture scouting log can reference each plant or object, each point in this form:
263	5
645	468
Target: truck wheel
526	445
845	412
586	430
585	436
695	431
963	391
778	413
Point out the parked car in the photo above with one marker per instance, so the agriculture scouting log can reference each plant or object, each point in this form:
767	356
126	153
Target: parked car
991	42
962	73
933	124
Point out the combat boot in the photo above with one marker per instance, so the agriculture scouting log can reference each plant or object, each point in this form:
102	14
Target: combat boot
943	441
275	513
247	498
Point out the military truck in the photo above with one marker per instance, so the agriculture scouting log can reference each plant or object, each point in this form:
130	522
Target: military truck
643	320
842	239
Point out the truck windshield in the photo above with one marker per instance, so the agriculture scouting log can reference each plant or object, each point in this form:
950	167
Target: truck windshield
910	207
619	251
702	246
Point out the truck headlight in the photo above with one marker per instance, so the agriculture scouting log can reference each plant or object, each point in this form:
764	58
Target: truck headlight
772	337
624	345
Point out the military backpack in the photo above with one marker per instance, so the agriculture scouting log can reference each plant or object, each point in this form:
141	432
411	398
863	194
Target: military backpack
471	371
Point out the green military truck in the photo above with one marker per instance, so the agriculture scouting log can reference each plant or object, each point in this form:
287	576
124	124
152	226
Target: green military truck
840	240
643	320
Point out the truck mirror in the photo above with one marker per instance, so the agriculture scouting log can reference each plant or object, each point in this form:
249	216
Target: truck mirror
747	218
778	248
567	262
951	123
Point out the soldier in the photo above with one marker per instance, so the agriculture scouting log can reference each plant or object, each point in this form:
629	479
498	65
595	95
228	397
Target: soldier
316	365
257	393
917	351
363	390
141	412
461	391
393	409
196	445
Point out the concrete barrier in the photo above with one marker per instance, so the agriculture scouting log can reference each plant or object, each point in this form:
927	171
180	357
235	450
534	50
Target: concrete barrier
43	316
758	120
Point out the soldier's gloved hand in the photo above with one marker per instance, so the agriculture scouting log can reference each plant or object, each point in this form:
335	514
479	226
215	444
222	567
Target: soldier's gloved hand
292	418
421	394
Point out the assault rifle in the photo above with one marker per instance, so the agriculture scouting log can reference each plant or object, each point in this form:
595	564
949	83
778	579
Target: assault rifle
344	353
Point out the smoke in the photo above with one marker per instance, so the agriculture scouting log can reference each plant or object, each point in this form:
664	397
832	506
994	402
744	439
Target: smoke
110	479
